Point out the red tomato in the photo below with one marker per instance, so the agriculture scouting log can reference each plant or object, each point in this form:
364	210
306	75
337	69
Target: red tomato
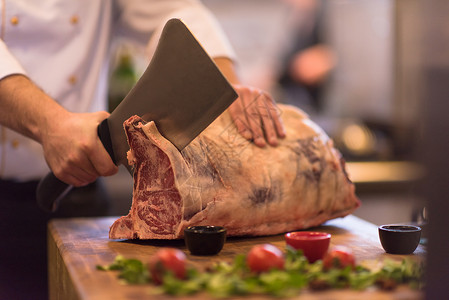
167	259
264	257
339	257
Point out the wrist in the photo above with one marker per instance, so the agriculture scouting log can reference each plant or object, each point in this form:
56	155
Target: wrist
227	67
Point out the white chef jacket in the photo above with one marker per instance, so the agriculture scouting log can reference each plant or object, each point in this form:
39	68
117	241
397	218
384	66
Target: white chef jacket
63	46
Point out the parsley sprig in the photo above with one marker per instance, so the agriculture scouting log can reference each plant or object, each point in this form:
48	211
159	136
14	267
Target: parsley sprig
228	279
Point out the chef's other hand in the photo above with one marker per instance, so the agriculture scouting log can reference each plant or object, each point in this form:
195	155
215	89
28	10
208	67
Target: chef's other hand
73	150
256	116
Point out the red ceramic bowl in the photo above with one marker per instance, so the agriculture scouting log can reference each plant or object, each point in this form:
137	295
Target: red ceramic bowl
313	244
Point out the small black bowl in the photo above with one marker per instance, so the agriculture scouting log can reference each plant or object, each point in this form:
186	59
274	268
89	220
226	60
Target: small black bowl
399	239
205	240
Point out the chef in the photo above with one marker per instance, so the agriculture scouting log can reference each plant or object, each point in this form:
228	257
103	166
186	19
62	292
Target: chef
53	83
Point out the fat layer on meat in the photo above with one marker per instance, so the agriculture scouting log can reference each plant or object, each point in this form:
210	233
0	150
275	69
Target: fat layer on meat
222	179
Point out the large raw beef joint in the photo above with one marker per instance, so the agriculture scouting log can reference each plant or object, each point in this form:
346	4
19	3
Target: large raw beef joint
222	179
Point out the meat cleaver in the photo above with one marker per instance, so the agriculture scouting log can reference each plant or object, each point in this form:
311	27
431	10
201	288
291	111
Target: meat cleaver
182	91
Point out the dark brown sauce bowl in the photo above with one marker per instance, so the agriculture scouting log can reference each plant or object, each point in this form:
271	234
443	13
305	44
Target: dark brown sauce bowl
399	239
205	240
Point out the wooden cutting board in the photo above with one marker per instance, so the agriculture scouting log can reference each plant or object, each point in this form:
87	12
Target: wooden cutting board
77	246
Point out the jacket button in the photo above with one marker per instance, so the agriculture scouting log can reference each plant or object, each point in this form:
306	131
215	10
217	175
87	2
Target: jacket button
73	80
15	144
74	19
14	20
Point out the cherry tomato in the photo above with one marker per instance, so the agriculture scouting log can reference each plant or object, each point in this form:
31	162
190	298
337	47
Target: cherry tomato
167	259
339	257
262	258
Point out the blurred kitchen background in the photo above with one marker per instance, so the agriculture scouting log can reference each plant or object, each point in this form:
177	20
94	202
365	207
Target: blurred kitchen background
357	75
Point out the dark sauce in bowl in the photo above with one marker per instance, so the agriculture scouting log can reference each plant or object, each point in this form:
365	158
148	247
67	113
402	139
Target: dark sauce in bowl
205	240
399	239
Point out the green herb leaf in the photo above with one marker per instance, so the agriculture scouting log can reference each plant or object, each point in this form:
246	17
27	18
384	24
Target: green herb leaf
132	271
229	279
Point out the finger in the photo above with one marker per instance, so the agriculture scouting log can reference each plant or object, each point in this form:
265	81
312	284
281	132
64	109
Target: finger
80	165
76	177
84	171
100	161
78	182
265	110
275	116
101	115
68	170
253	118
239	119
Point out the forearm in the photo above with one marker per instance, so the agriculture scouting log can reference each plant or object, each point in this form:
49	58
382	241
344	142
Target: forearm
25	108
69	140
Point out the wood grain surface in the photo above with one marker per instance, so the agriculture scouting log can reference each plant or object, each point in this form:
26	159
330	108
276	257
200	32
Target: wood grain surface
77	246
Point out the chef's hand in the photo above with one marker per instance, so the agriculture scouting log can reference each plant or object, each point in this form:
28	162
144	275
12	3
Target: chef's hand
254	113
256	116
73	150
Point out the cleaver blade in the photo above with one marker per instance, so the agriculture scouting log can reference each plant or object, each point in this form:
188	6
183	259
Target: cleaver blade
182	90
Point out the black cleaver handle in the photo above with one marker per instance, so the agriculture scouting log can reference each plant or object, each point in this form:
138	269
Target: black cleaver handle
105	138
51	190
